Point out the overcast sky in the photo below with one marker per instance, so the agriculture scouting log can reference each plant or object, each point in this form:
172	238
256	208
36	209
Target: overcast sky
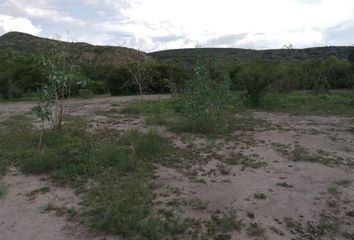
152	25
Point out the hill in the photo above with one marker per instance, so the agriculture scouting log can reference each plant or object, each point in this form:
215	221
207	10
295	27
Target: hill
187	56
110	55
80	52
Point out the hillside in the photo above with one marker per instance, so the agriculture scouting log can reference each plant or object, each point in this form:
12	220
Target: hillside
87	53
187	56
80	52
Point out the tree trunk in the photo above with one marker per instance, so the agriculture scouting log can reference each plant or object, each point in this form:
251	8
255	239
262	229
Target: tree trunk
41	137
141	92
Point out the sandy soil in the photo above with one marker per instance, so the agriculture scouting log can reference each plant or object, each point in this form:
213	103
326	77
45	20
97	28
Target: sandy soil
279	190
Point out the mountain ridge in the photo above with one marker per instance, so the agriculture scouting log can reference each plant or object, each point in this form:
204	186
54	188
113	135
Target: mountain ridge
114	55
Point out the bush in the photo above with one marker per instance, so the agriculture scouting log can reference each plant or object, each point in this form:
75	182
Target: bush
85	93
205	100
96	87
119	82
254	76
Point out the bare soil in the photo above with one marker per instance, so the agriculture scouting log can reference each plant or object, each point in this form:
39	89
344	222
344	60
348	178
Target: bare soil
280	175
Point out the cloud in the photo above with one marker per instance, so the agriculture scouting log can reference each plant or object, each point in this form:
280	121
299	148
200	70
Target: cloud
52	15
8	23
159	24
342	34
45	10
167	38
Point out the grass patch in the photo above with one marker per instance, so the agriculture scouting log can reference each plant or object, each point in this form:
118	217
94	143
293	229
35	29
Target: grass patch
255	230
306	102
223	222
121	199
168	112
245	161
3	189
300	153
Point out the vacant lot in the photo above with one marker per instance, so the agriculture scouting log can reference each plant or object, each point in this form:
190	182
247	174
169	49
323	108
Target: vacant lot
273	176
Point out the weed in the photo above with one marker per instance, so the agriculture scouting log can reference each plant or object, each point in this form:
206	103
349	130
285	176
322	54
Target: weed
348	235
344	182
47	207
284	184
224	222
42	190
261	196
350	213
255	230
333	190
3	189
224	169
222	237
301	154
199	204
332	203
151	145
245	161
247	122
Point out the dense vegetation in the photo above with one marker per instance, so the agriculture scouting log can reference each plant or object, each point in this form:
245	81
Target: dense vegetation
111	70
21	75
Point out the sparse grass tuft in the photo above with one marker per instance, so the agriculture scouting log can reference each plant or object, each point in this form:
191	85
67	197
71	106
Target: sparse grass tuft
306	102
344	182
245	161
260	196
284	184
198	204
3	189
224	222
224	169
255	230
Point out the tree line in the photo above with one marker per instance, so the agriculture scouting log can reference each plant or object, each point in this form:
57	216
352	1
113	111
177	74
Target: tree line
21	74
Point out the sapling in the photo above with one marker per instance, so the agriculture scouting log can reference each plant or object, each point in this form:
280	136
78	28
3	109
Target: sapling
43	109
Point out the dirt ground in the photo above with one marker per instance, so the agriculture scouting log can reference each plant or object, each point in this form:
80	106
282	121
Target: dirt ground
290	175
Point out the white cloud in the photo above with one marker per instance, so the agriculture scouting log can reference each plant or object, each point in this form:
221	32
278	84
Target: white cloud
8	23
162	24
52	15
282	21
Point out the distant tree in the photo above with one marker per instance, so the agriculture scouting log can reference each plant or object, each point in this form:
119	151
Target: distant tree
254	76
288	46
351	56
119	81
140	72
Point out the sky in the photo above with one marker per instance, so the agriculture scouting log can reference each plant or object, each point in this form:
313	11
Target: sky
152	25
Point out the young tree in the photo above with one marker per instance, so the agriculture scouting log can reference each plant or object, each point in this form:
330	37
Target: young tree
139	66
206	98
140	72
43	109
61	76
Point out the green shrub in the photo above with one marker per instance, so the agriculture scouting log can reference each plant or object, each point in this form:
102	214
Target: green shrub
119	82
85	93
151	145
254	76
205	101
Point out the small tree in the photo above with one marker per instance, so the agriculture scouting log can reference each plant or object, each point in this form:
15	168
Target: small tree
205	99
140	71
61	76
138	66
43	109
